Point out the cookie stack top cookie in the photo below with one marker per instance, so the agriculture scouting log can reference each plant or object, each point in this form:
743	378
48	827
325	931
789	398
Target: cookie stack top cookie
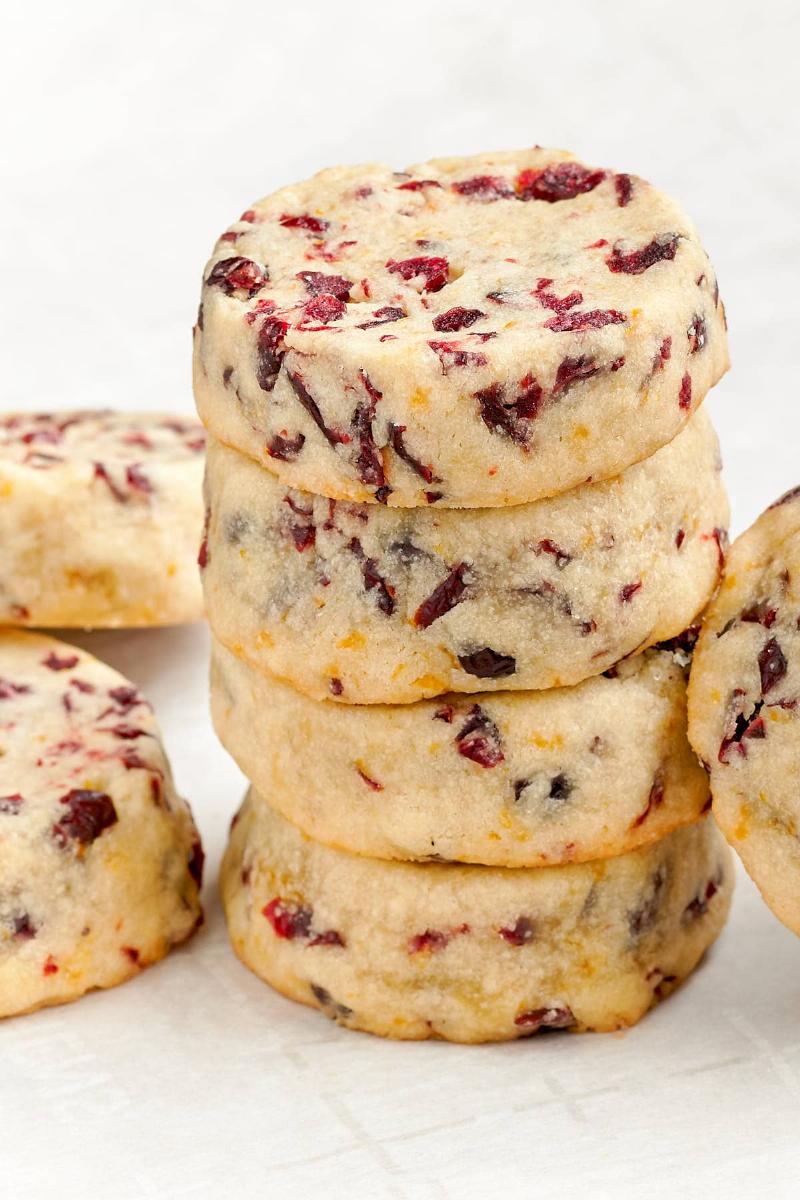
471	332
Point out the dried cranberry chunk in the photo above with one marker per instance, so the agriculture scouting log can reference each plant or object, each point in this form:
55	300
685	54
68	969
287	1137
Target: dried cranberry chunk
697	334
57	663
484	187
369	461
479	739
317	282
444	597
685	394
384	316
636	262
417	185
519	933
270	351
595	319
559	181
486	663
573	370
623	185
88	815
398	445
434	271
304	221
456	318
333	436
288	920
11	804
772	665
284	448
237	274
196	861
324	308
545	1018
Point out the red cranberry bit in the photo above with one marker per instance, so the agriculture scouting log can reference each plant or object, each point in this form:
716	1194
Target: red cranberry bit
447	595
654	799
270	352
324	308
383	316
285	448
696	334
369	460
772	666
546	546
288	920
456	318
680	537
137	481
720	538
642	918
56	663
333	436
628	591
445	713
304	221
484	187
237	275
22	927
132	953
575	321
503	418
303	536
699	906
432	271
636	262
317	283
519	933
738	727
328	937
664	354
786	498
760	613
88	815
623	186
487	663
434	939
452	355
371	783
202	554
100	472
545	1018
557	304
560	181
479	739
10	805
50	967
685	394
336	686
373	580
398	445
572	371
417	185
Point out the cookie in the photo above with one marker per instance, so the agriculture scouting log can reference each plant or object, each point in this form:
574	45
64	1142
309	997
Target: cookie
100	862
744	720
471	332
510	779
100	519
372	605
471	954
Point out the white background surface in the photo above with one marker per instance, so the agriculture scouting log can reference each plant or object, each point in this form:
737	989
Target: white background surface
133	134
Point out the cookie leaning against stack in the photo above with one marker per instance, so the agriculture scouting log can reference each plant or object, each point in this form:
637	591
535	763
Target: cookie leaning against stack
454	452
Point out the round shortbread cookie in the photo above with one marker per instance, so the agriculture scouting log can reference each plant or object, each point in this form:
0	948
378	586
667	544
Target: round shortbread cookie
372	605
472	332
515	780
744	720
100	862
100	518
471	954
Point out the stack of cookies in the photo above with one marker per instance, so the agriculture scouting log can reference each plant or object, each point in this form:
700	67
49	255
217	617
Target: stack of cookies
461	508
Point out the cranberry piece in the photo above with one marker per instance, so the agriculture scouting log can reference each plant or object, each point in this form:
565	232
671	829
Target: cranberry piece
760	613
698	907
596	319
697	334
284	448
456	318
503	418
772	666
445	596
642	918
56	663
654	799
737	726
336	686
445	713
479	739
398	445
664	354
384	316
787	497
519	933
270	351
333	436
323	996
369	460
560	789
100	472
484	187
547	546
288	920
573	370
10	805
328	937
636	262
451	355
433	271
317	283
88	815
680	537
684	643
371	783
22	927
303	536
304	221
558	304
373	580
628	591
324	308
685	394
137	481
196	862
50	967
486	663
237	275
545	1018
434	939
559	181
623	186
417	185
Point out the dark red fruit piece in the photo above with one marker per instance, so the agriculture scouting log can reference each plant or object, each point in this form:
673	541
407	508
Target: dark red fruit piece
324	308
369	460
445	713
270	351
696	334
288	919
398	445
56	663
519	933
737	726
137	481
304	221
456	318
434	939
787	497
444	597
11	804
571	371
100	472
664	354
50	967
698	907
22	927
545	1018
685	394
284	448
432	270
384	316
373	580
203	556
546	546
636	262
653	801
196	861
680	537
336	686
560	181
560	788
317	283
416	185
760	613
500	417
371	783
88	815
484	187
596	319
323	996
558	304
328	937
642	918
623	185
125	698
487	663
628	591
237	274
333	436
479	739
772	666
303	536
452	355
